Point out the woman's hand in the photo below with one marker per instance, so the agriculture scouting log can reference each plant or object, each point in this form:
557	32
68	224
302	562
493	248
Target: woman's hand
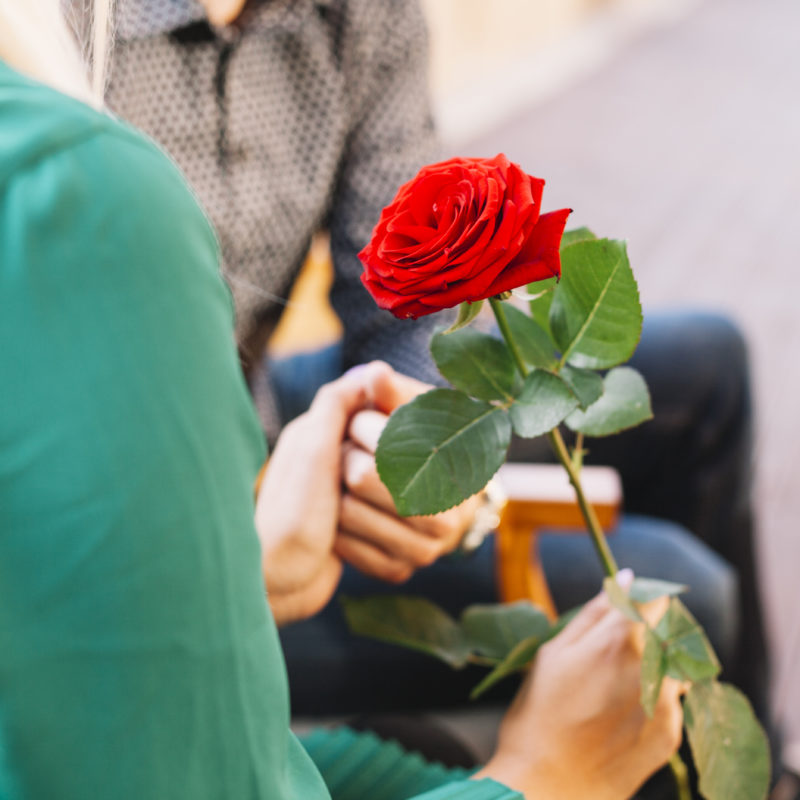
372	536
577	729
297	508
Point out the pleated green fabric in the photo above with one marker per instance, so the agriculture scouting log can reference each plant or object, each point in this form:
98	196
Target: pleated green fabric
138	655
357	765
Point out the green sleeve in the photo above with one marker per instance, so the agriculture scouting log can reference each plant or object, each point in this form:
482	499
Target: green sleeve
138	657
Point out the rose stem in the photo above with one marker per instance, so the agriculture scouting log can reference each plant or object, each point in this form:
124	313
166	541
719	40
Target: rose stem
681	776
560	449
676	764
577	451
595	530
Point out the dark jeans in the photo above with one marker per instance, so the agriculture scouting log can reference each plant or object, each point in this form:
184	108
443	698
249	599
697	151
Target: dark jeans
689	469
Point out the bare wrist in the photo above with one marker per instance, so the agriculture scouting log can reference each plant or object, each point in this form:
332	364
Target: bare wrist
514	773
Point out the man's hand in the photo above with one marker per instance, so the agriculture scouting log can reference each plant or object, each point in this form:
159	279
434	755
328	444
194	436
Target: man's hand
223	12
372	536
577	729
298	506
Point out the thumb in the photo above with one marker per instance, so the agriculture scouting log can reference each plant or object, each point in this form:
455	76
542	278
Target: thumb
386	388
336	402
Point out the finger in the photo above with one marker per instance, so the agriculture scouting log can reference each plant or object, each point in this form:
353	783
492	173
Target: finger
335	403
616	629
371	560
668	716
616	639
366	427
374	384
597	608
672	690
587	618
311	598
654	610
651	613
624	578
389	389
360	476
387	532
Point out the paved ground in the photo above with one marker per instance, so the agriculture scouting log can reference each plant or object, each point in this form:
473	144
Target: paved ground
687	144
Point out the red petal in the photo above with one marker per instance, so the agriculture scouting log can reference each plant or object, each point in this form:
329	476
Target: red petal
539	257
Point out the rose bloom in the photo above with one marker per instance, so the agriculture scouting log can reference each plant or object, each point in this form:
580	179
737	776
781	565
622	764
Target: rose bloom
461	230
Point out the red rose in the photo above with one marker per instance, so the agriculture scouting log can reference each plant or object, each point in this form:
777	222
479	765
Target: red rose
461	230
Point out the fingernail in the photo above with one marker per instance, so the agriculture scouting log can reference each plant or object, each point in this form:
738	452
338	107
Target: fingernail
356	370
625	578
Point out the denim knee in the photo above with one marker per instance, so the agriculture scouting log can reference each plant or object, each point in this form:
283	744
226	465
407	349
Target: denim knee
653	548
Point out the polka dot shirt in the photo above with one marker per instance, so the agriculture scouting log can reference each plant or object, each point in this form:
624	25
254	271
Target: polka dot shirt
304	115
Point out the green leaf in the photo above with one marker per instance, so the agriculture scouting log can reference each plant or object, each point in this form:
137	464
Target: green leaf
624	404
654	668
439	449
475	363
413	622
730	749
576	235
516	660
466	313
643	590
619	598
523	653
595	316
540	305
533	343
688	652
586	385
494	630
544	401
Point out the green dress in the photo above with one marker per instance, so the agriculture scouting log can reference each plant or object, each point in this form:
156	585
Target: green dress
138	655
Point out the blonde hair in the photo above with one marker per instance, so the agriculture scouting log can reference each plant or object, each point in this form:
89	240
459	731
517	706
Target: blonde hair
36	40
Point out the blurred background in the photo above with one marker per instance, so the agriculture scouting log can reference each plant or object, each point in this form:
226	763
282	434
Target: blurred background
674	124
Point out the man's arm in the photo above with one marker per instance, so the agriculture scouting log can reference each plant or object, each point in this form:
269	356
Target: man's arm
384	57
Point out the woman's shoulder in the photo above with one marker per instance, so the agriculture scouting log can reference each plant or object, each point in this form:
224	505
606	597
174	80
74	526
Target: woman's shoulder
38	122
43	130
80	178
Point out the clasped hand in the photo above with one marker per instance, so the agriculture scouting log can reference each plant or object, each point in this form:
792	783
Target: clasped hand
322	503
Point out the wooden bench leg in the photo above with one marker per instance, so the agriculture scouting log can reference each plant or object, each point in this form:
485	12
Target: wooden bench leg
520	574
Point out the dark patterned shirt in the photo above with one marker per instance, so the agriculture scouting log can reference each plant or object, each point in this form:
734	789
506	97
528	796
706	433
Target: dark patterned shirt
306	114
